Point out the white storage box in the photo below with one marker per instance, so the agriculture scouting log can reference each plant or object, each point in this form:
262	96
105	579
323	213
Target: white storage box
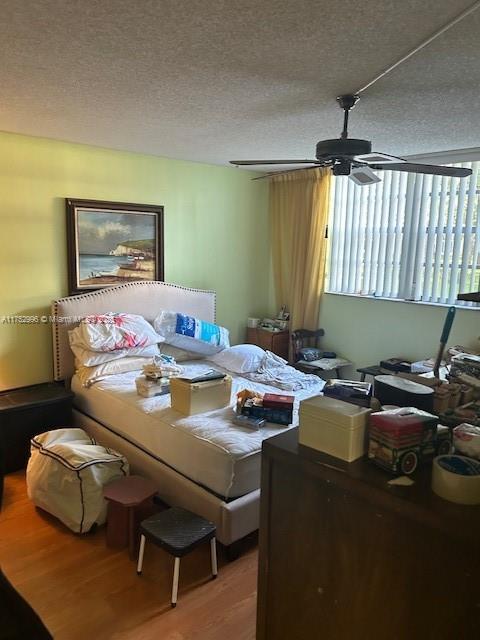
334	427
190	398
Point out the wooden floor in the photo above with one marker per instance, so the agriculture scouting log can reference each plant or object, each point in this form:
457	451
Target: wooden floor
82	590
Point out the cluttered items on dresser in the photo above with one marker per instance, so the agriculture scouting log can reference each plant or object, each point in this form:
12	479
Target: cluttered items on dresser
269	407
457	479
399	391
352	391
454	397
401	439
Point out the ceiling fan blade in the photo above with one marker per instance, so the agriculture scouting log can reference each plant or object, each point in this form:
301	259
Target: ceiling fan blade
378	158
241	163
433	169
281	173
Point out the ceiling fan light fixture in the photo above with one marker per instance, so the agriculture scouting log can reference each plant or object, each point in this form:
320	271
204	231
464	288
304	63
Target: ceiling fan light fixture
363	176
341	167
378	158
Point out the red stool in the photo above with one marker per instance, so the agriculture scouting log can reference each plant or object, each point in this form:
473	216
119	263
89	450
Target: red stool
128	503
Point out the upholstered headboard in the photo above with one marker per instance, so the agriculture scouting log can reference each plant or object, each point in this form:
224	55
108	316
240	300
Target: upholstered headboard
143	298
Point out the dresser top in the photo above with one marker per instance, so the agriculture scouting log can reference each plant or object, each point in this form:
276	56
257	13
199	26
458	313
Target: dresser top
366	480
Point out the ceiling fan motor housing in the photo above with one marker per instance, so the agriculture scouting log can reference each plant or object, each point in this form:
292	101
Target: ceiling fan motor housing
342	148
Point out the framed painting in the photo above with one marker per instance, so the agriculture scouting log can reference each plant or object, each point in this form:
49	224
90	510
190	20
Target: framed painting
111	243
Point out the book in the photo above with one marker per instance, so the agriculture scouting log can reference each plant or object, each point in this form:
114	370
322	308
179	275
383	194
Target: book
277	416
204	376
278	401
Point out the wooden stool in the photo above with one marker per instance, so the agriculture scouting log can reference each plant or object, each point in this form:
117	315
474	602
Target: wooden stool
125	497
178	532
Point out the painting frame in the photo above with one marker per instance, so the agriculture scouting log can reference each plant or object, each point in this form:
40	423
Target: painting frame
150	251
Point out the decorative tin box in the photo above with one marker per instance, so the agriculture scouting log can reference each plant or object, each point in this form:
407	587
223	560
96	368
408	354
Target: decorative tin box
400	439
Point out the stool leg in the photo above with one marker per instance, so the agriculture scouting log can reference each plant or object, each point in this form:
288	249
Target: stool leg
176	572
140	555
131	532
213	557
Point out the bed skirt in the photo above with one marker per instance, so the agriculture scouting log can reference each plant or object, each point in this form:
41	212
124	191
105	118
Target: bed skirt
234	519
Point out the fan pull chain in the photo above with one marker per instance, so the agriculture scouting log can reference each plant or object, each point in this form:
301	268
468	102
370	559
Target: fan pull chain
433	37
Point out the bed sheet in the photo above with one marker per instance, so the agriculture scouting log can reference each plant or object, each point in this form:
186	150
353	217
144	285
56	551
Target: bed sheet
207	448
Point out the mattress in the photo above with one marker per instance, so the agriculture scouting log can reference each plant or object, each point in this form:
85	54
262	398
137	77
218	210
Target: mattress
206	448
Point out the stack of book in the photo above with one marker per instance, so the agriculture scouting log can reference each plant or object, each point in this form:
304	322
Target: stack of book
149	388
272	408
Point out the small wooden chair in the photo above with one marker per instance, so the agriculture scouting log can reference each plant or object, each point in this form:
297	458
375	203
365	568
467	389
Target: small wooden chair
302	338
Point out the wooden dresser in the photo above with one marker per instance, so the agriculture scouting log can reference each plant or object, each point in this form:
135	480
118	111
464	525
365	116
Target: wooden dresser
274	341
345	556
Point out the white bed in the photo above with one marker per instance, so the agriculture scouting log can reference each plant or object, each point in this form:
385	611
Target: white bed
203	463
206	448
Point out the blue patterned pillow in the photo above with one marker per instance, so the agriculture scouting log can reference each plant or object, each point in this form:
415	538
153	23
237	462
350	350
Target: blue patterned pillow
193	334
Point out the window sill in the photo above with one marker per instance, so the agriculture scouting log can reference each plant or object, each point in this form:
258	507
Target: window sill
415	302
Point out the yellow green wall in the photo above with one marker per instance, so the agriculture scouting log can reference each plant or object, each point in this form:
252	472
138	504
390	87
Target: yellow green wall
366	331
216	235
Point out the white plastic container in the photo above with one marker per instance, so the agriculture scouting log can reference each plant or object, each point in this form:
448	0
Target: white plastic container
334	427
190	398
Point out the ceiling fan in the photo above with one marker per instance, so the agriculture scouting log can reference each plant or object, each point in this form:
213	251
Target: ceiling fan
354	158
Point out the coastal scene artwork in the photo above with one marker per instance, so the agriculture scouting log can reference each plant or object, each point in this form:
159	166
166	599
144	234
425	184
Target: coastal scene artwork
112	243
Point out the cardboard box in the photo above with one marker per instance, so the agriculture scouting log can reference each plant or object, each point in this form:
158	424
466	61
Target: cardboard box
191	398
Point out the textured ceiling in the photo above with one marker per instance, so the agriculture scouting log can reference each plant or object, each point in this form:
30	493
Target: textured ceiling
214	80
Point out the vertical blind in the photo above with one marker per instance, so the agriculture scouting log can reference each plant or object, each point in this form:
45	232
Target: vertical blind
410	236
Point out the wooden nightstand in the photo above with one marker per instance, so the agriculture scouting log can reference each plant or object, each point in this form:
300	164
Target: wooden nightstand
274	341
26	412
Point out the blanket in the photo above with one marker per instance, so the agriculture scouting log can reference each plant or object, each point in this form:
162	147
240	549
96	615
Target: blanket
275	371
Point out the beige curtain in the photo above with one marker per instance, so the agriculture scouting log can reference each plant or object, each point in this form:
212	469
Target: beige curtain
298	218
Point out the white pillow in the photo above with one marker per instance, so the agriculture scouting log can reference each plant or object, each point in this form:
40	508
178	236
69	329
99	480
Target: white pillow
192	334
113	331
89	375
242	358
89	358
180	355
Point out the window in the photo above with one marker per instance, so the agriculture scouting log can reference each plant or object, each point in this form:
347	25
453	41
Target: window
410	236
